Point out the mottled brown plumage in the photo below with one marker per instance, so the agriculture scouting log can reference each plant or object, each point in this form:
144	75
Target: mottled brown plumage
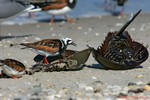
49	45
13	68
55	7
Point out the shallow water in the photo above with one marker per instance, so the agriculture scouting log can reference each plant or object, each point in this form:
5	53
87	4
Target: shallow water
85	8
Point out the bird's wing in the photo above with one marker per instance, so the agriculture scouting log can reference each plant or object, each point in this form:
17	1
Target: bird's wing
14	64
54	6
50	45
50	5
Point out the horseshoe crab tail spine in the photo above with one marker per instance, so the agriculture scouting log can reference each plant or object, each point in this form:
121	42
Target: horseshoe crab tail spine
126	25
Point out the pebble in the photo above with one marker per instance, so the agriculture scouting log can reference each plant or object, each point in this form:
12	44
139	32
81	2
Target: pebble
119	24
79	28
93	77
139	83
26	38
147	88
53	34
89	88
85	33
9	34
131	84
90	29
132	29
139	76
97	34
51	29
37	39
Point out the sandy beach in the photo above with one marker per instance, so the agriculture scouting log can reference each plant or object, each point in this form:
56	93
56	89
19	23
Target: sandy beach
90	83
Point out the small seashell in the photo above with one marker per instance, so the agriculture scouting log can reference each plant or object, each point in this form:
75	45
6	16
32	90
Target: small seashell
139	83
58	95
9	34
26	38
132	29
53	34
25	61
90	29
119	24
9	41
37	39
139	76
89	88
50	97
8	54
93	77
79	28
78	93
51	29
97	34
5	46
1	94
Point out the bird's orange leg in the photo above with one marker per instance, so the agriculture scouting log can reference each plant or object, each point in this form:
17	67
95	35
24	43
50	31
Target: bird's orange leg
14	77
45	61
52	19
69	19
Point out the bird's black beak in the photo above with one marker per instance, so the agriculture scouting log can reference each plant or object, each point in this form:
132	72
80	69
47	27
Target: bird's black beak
74	44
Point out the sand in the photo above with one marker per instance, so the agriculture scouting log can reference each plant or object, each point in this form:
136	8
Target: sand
80	84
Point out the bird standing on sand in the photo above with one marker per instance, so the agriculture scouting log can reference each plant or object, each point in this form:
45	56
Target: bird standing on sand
55	7
12	68
49	47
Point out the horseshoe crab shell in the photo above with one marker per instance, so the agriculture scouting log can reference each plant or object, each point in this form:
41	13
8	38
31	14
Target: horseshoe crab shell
70	60
119	51
109	64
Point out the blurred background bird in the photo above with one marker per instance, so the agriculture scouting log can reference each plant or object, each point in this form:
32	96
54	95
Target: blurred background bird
111	5
54	7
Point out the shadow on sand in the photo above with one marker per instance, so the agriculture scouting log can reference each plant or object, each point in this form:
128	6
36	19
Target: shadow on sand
99	66
20	36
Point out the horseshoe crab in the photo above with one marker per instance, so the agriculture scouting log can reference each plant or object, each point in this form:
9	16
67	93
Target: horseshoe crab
119	51
69	60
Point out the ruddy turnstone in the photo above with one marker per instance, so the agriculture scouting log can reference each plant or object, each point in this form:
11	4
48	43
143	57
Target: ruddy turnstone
13	68
55	7
49	47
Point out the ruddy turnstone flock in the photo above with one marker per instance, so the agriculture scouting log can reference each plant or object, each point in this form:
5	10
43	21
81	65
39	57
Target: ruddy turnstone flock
54	7
49	47
12	68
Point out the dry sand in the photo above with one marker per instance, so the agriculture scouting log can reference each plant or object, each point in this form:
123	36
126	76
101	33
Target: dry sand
89	83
